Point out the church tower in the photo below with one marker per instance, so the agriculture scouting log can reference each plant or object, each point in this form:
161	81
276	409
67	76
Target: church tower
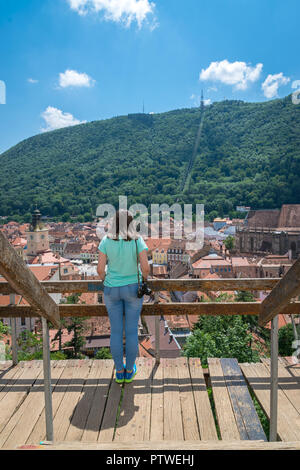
37	236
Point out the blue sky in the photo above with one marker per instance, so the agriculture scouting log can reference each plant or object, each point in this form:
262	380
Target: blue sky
69	61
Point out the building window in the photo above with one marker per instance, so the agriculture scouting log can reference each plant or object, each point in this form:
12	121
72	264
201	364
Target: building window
23	321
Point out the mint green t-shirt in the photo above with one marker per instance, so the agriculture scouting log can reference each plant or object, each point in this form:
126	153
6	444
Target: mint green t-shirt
121	260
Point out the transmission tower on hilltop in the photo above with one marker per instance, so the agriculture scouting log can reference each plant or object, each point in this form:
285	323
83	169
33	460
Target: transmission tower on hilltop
202	100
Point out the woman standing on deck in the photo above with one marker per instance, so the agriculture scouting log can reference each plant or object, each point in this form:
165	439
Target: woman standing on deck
121	251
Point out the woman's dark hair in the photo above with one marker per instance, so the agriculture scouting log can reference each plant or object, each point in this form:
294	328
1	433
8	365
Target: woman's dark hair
122	225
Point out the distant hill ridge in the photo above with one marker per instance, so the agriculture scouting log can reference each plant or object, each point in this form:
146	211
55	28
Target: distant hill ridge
249	153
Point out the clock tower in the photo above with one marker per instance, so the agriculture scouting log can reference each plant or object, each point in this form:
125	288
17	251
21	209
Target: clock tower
37	236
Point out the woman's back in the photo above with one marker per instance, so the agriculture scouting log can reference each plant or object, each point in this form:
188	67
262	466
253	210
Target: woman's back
121	260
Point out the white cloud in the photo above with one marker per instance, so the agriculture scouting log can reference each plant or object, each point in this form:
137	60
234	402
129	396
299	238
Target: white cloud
73	78
236	73
119	11
56	119
32	80
296	84
196	99
272	83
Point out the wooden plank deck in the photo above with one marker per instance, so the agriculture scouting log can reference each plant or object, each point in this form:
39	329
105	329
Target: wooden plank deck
248	422
258	377
165	403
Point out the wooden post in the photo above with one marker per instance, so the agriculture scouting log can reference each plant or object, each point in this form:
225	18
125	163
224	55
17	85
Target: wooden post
13	324
157	340
157	331
47	381
274	380
287	288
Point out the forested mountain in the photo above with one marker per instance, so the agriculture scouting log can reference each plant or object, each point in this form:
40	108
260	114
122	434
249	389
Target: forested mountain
249	153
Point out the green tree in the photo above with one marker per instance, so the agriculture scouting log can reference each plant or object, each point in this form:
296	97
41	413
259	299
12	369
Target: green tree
285	340
244	296
103	353
77	326
58	335
4	330
30	346
230	243
65	217
220	336
58	356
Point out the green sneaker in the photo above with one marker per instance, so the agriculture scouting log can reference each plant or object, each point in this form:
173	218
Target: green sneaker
129	375
120	376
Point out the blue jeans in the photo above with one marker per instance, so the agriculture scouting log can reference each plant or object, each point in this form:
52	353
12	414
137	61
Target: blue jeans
119	300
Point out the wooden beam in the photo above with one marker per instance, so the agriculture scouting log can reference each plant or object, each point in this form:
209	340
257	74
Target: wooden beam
24	282
287	288
196	308
162	445
230	284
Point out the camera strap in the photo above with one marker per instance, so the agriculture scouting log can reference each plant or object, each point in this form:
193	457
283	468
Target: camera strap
137	262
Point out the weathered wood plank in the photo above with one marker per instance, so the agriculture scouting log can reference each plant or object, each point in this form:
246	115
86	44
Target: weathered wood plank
188	410
8	379
135	411
287	288
241	401
157	403
254	284
4	366
99	401
19	276
191	308
21	424
204	412
289	385
170	445
82	409
292	367
18	392
173	426
69	402
225	415
111	409
39	431
258	377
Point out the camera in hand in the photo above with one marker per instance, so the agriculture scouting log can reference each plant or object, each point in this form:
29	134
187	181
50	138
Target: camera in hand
143	290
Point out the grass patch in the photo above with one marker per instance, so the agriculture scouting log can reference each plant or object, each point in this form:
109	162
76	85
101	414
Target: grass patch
264	420
213	407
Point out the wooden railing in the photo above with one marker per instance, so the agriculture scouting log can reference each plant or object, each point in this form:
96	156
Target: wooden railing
156	308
